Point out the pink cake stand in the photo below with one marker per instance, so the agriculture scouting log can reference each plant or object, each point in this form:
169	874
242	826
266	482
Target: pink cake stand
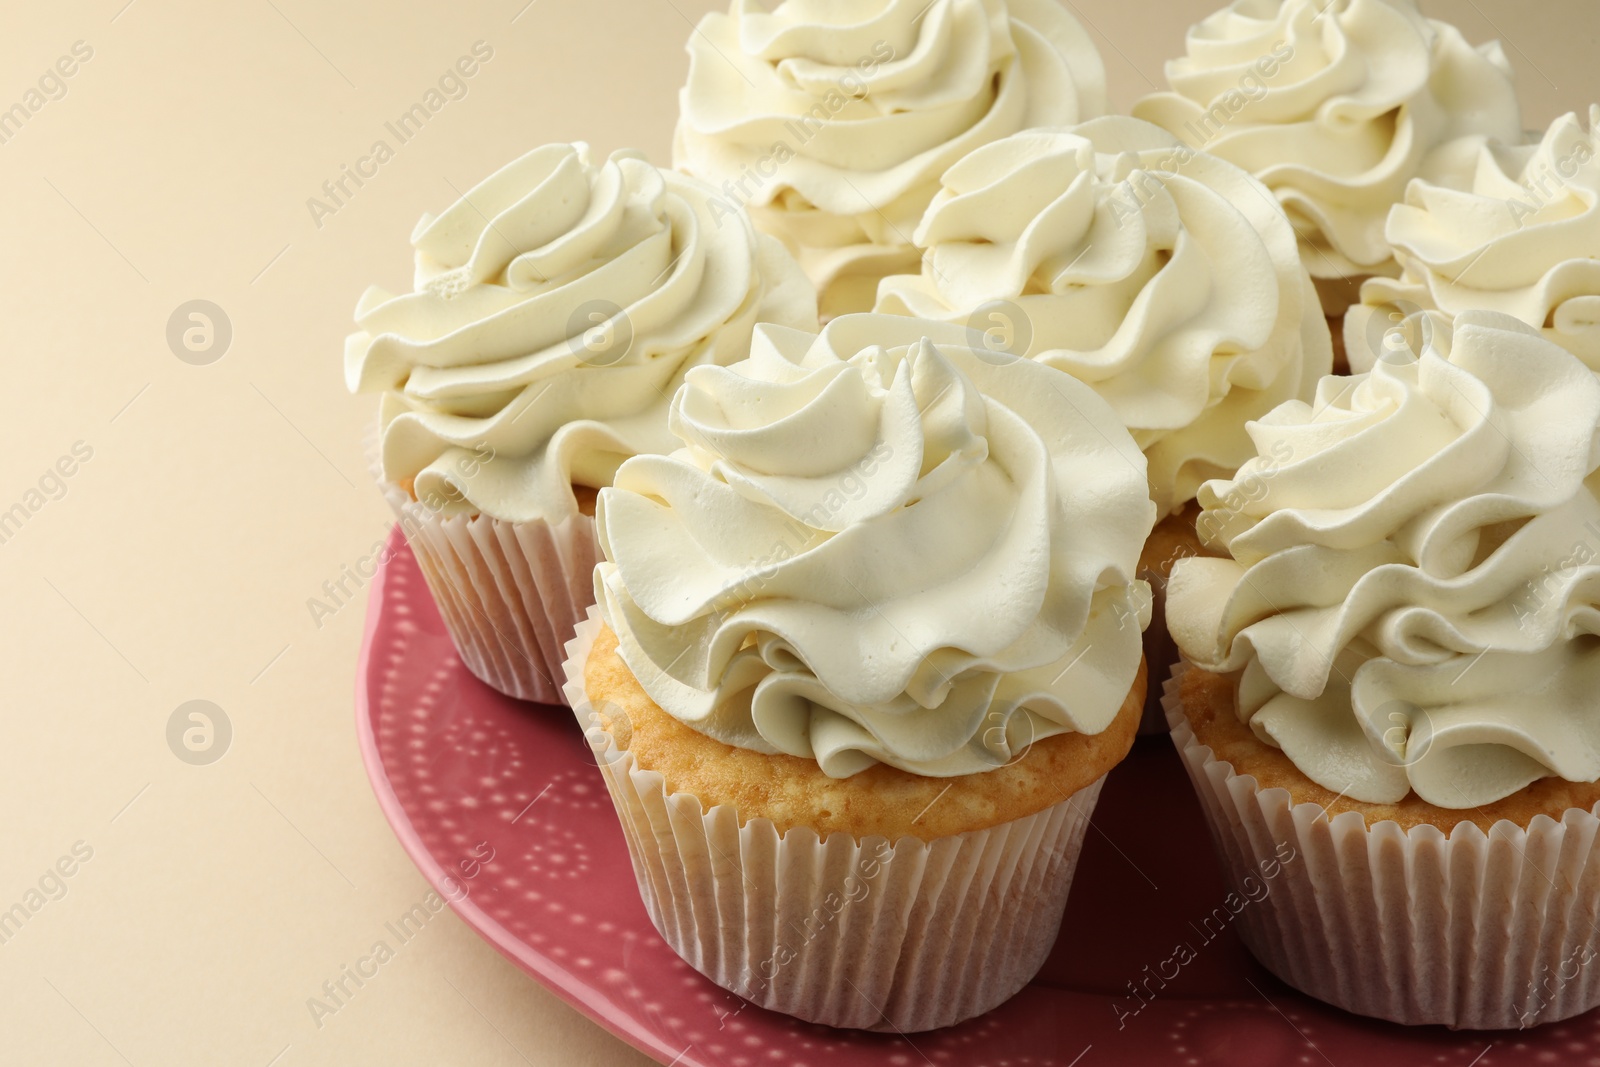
499	804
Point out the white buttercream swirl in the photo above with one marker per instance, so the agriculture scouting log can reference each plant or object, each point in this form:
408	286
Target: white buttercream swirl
832	122
557	305
1413	596
1165	279
1524	239
1335	105
880	544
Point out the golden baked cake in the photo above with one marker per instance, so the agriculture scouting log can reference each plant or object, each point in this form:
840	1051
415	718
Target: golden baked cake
881	801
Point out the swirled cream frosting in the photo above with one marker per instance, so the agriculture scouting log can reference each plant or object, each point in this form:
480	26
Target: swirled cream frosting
556	307
832	122
1165	279
1413	594
1335	105
1523	239
881	544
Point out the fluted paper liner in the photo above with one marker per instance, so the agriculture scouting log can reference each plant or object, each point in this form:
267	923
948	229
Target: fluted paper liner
906	935
511	593
1160	652
1470	929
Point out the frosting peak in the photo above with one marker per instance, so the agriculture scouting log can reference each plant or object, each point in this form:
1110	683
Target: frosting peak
1523	238
1413	597
879	544
832	122
1165	279
557	305
1335	105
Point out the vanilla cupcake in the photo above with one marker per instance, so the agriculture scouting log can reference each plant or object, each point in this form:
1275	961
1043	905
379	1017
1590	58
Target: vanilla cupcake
1523	239
1335	105
1395	680
556	307
833	124
1164	279
870	643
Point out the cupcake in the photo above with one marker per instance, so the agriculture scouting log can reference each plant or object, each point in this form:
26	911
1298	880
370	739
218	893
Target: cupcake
1165	279
1393	678
1523	238
865	649
556	307
832	124
1335	105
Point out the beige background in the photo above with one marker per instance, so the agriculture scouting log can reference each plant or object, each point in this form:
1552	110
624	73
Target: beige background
219	498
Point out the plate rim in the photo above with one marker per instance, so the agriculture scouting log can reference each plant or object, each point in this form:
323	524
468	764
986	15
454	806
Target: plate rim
575	990
580	995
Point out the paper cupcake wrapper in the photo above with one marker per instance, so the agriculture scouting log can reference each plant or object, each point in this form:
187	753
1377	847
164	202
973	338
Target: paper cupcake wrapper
1160	653
372	451
872	934
511	593
1160	650
1470	929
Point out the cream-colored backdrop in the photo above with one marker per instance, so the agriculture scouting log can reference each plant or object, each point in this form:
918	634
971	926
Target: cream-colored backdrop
178	559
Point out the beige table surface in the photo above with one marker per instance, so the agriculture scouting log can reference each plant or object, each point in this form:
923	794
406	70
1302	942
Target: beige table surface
177	562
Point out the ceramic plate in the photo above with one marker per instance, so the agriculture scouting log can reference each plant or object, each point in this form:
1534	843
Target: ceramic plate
501	807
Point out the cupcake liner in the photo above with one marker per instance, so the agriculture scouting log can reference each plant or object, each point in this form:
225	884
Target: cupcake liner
1470	929
1160	652
511	593
874	934
372	452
